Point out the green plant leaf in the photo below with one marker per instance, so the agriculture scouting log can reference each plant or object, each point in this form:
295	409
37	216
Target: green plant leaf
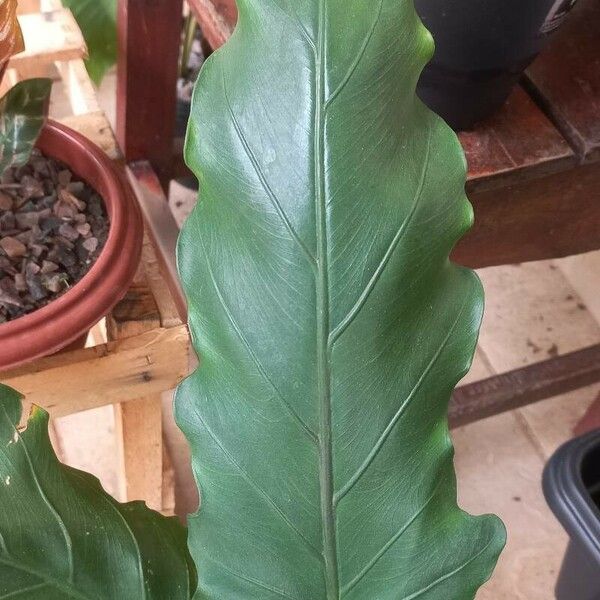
330	323
98	22
63	537
23	111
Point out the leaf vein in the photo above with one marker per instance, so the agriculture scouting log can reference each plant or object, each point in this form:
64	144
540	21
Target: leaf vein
364	296
257	487
305	428
264	182
254	581
349	586
448	575
399	413
357	59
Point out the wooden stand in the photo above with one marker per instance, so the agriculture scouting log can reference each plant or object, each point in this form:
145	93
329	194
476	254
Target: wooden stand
146	351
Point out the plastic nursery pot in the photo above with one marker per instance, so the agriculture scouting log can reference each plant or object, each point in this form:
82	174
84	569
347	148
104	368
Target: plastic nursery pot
572	489
482	48
65	319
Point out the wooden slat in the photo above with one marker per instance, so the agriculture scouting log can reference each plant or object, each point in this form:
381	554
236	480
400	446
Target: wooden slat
28	6
161	227
516	144
138	423
566	78
95	126
79	87
215	26
169	314
543	218
525	386
50	36
138	429
118	371
149	35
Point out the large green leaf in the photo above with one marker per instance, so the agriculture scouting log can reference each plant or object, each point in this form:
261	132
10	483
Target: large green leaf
23	111
98	22
330	323
62	537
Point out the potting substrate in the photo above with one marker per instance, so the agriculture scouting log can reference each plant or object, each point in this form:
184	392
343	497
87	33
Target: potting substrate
53	227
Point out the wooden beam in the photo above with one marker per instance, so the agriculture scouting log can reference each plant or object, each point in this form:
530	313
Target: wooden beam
550	217
49	36
161	227
149	39
212	17
525	386
138	423
118	371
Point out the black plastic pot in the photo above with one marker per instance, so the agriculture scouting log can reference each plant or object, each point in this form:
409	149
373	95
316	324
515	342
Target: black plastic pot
482	48
572	489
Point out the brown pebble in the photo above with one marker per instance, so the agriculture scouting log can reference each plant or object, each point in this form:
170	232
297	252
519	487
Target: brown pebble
52	283
27	220
49	267
13	247
83	229
69	198
64	177
91	244
31	187
6	202
32	269
64	210
20	282
68	232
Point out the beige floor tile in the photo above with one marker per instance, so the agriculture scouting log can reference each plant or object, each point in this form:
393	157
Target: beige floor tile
87	442
532	313
583	273
552	421
499	471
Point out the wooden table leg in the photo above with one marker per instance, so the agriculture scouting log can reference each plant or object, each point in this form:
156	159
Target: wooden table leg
138	423
149	39
138	427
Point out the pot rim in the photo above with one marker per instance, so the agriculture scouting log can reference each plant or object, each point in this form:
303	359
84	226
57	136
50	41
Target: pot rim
66	318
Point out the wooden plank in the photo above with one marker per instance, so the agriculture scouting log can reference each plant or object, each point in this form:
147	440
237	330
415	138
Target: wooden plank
215	26
118	371
138	424
551	217
525	386
95	126
50	36
149	36
138	429
167	309
28	6
566	79
79	87
516	144
161	227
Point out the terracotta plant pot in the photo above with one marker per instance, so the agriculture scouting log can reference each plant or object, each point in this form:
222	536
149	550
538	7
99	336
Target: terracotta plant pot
63	320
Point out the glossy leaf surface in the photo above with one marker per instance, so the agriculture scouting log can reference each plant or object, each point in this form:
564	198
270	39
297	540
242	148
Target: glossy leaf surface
330	324
98	22
62	537
11	37
23	111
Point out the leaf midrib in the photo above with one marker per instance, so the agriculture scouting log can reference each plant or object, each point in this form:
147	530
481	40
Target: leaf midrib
328	525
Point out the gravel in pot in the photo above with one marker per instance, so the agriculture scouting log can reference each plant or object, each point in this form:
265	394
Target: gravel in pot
53	227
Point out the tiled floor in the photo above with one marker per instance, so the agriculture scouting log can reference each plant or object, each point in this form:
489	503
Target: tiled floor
533	311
